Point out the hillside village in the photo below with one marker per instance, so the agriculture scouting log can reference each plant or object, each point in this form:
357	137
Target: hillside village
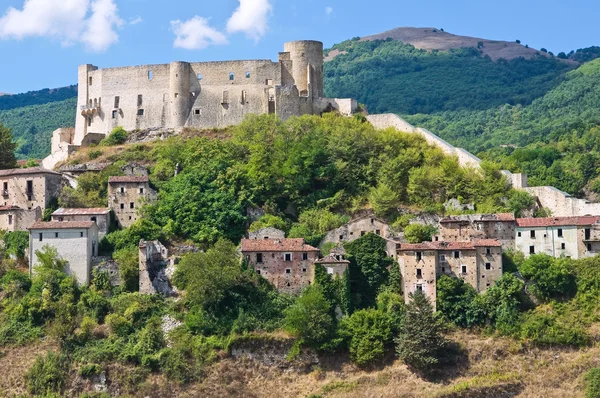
192	103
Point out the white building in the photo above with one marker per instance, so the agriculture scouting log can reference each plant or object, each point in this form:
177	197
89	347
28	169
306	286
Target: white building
75	241
101	216
573	237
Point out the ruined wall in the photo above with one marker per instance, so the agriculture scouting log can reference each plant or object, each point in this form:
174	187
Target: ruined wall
126	198
561	204
17	219
458	231
357	228
152	259
267	233
287	276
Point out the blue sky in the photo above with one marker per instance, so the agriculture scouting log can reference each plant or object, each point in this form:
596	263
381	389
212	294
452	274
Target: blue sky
43	41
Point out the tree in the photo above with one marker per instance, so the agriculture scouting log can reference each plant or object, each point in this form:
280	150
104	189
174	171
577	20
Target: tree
518	41
383	200
454	298
313	224
417	233
366	332
420	343
7	149
268	221
310	318
553	278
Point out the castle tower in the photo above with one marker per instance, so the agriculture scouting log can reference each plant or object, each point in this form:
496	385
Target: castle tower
83	95
180	93
307	66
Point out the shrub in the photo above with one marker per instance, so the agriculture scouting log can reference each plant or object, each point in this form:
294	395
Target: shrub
592	383
127	258
454	297
116	137
367	332
310	317
545	329
48	374
417	233
553	278
95	154
16	243
266	221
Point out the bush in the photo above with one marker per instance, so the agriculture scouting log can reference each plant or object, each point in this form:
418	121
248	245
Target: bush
417	233
546	330
48	374
127	258
592	383
310	318
553	278
367	332
95	154
116	137
268	221
454	298
16	243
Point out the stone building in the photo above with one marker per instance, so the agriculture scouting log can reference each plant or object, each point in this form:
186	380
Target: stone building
574	237
101	216
14	218
356	228
267	233
334	264
467	227
75	241
203	94
287	263
154	264
478	263
126	194
29	188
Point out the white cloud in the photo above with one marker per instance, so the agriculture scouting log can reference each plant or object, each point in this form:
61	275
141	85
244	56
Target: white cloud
251	17
196	34
328	10
135	21
90	22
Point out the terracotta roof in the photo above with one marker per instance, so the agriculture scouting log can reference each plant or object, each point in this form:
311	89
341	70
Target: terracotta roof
117	179
81	212
62	225
331	260
557	221
30	170
276	245
7	208
479	217
450	245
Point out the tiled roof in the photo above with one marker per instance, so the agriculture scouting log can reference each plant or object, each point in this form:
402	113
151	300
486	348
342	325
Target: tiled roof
118	179
62	225
331	260
81	212
276	245
557	221
7	208
479	217
30	170
450	245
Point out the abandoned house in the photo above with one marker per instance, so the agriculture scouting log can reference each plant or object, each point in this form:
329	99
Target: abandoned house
464	228
126	195
29	188
356	228
14	218
75	241
573	237
101	216
266	233
478	263
154	264
334	264
287	263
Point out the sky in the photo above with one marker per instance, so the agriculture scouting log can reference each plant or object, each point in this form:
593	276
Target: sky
43	41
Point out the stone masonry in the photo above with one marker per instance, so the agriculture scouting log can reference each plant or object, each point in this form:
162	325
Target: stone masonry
29	188
126	194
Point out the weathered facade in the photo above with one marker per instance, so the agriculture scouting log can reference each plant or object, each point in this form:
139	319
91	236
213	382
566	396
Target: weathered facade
14	218
126	194
465	228
203	94
154	261
287	263
334	264
478	263
29	188
356	228
75	241
573	237
101	216
267	233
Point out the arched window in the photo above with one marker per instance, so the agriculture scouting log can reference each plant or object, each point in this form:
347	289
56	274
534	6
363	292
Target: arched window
231	76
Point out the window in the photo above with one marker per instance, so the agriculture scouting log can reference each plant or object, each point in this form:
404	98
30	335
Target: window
532	234
141	191
10	220
114	114
225	97
5	189
362	233
560	234
304	256
456	254
419	256
341	237
197	111
94	219
89	121
443	269
259	258
247	75
488	251
419	288
269	82
519	234
351	233
303	269
131	205
90	80
258	271
140	100
330	270
176	95
562	246
140	112
80	235
122	205
288	270
40	236
29	190
587	234
199	76
464	269
122	189
488	266
589	247
378	232
531	249
442	258
56	234
288	256
231	76
243	98
150	75
419	273
117	99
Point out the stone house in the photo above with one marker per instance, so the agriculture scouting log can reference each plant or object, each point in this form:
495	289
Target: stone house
101	216
287	263
75	241
14	218
467	227
126	194
334	264
478	263
29	188
267	233
356	228
574	237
